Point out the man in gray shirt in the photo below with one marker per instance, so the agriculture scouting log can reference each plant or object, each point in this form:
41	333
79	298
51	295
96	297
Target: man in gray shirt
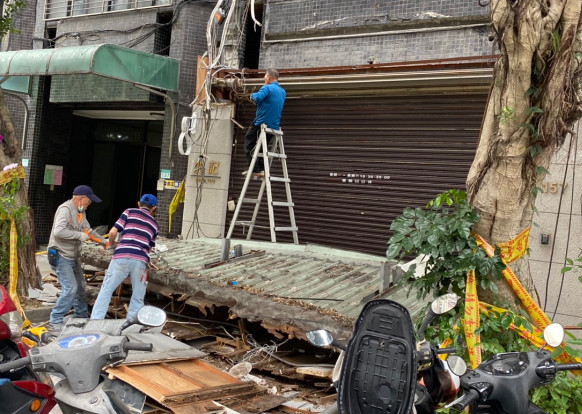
70	229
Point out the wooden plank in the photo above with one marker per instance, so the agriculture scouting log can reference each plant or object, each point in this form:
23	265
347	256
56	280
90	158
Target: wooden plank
128	375
322	372
201	65
176	383
174	371
204	372
210	393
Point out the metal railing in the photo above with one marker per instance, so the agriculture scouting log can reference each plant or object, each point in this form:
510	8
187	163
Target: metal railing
60	9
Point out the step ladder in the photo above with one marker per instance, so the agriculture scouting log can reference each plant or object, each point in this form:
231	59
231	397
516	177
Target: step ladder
277	150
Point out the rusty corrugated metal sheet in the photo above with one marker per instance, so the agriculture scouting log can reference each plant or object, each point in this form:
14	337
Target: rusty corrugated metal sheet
356	162
327	279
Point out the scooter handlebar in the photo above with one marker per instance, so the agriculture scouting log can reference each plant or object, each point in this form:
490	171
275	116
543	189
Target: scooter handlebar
460	403
450	350
17	363
137	346
568	367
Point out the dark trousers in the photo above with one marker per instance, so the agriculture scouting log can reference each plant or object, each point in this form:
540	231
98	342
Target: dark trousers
251	139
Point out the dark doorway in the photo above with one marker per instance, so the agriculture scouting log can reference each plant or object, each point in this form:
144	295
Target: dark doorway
253	40
120	159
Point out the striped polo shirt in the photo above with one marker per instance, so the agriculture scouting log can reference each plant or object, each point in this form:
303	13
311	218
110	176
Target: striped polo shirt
138	234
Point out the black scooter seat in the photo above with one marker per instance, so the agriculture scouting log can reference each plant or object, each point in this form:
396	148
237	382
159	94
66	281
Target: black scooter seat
379	370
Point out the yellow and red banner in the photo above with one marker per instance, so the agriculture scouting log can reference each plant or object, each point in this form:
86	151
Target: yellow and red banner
510	251
5	178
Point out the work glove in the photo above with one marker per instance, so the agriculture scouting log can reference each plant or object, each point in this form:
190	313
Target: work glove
84	237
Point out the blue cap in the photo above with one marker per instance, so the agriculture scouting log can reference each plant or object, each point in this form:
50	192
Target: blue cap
85	190
149	200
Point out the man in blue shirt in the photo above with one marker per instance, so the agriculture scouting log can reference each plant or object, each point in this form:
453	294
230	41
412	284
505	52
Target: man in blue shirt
269	100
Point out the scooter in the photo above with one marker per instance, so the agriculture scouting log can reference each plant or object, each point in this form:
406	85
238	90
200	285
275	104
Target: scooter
21	390
77	361
384	369
500	385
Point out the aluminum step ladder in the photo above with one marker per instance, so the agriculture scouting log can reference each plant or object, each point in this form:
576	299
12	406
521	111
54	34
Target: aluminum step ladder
277	151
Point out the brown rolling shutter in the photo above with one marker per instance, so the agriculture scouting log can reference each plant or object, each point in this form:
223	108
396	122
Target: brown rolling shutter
356	162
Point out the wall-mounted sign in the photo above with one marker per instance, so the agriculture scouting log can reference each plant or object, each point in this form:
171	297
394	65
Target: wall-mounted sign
165	173
171	184
53	175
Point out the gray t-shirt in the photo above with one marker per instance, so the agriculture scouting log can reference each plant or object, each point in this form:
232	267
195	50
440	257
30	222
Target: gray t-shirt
68	228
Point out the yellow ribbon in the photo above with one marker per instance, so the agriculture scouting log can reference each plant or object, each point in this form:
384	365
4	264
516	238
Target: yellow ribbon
5	178
510	251
13	275
178	198
471	320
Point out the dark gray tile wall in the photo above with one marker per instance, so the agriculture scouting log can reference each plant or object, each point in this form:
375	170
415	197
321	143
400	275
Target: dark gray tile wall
378	49
296	15
289	20
188	41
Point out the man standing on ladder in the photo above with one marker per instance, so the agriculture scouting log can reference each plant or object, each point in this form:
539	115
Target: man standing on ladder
269	99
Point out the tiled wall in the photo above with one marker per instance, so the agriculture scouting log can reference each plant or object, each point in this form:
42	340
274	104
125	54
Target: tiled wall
188	42
285	16
319	33
48	138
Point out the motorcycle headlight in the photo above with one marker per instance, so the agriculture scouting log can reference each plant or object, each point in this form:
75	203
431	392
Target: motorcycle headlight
14	322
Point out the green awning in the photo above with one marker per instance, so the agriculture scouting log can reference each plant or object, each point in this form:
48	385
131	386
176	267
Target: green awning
106	60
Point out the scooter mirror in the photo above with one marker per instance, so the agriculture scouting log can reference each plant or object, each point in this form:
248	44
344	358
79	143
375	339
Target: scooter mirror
554	334
147	315
457	365
444	303
319	337
151	316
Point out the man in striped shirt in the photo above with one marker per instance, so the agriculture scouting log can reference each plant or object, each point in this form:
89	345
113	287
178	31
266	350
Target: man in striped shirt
139	230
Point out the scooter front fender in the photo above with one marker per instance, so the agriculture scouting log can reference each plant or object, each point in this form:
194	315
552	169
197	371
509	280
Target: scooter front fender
94	402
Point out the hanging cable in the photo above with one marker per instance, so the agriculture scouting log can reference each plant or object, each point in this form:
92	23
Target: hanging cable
556	225
570	220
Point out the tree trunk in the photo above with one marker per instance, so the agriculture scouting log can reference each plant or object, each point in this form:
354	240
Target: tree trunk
533	103
10	153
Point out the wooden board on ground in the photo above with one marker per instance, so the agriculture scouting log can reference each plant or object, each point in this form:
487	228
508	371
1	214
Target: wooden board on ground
184	387
323	372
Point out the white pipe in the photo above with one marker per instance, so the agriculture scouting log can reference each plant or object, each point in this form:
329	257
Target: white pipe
172	112
25	127
253	13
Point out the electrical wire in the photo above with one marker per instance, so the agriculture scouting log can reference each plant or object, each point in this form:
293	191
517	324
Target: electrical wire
556	225
570	219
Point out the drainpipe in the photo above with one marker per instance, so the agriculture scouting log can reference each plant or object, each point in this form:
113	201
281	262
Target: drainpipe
25	128
172	110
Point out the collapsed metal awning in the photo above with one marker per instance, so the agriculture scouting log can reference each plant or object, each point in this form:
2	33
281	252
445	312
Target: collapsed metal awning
470	74
110	61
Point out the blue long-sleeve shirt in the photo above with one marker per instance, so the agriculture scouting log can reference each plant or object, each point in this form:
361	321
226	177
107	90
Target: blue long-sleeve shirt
269	100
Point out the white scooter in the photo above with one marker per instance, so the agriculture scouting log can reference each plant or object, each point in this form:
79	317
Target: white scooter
78	359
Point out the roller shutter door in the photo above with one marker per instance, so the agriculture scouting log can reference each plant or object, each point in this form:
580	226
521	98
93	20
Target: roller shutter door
355	163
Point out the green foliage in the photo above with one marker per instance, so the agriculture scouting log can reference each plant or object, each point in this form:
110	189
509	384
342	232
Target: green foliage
506	114
564	395
441	234
11	10
9	211
533	110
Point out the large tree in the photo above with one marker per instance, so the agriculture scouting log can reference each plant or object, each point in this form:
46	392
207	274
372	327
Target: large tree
10	154
534	101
